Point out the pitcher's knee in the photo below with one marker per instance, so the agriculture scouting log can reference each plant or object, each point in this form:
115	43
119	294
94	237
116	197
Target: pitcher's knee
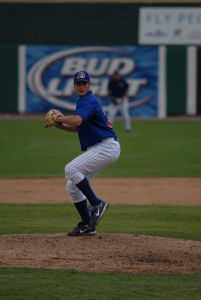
69	187
73	174
69	171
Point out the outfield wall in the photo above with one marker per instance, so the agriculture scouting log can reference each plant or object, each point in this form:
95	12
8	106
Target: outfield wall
95	25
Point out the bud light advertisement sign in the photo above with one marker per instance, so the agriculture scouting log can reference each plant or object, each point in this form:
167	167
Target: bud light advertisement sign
50	71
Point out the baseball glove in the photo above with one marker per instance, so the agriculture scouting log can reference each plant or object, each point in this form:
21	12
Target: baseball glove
50	117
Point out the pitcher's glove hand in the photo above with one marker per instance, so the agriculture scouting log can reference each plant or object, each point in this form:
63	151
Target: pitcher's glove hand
50	117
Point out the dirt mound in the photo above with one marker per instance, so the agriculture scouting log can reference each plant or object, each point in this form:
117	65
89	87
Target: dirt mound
101	253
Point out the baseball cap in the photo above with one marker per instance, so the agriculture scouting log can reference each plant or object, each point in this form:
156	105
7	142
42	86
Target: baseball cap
81	76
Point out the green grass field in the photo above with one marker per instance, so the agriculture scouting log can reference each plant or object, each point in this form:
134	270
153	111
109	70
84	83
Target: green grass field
154	148
170	221
30	284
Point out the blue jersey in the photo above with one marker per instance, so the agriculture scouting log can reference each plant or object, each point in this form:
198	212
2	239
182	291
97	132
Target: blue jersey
95	126
118	88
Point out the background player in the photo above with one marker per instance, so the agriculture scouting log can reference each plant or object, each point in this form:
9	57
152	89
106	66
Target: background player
117	89
99	141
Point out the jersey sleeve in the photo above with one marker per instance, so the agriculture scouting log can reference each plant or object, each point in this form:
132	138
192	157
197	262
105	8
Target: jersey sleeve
86	109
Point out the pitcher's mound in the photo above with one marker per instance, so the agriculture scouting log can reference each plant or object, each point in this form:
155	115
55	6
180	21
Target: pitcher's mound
101	253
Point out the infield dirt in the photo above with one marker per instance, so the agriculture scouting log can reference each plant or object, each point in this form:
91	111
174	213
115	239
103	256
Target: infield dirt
179	191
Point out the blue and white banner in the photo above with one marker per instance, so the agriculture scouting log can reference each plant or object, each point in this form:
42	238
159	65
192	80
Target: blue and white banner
50	70
170	26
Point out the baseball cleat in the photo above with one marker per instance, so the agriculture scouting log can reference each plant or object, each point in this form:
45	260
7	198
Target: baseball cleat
97	212
82	229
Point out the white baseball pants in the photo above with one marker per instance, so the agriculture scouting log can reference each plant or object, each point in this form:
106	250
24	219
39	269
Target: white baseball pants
89	164
123	107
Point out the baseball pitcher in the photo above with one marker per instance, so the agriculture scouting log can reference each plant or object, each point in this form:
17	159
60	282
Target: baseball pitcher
100	148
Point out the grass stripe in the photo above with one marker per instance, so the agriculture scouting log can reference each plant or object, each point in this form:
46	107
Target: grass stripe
170	221
32	284
154	148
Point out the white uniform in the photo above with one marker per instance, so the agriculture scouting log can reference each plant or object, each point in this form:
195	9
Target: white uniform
89	164
122	106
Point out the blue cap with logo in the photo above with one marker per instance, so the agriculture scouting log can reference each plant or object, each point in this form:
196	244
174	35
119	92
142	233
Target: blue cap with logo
81	76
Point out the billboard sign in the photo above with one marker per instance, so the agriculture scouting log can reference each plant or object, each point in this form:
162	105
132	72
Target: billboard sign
50	70
170	26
